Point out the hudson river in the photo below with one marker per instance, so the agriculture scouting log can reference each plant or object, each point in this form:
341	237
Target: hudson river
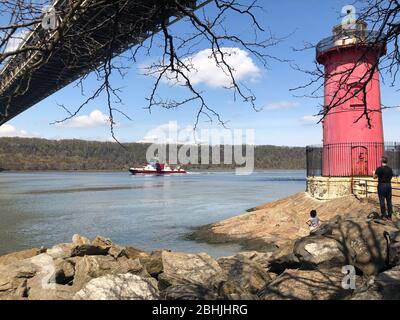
43	209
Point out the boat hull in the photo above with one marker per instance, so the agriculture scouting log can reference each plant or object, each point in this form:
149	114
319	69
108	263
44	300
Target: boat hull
155	172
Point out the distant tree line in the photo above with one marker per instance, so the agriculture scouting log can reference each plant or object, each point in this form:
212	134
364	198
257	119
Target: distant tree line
26	154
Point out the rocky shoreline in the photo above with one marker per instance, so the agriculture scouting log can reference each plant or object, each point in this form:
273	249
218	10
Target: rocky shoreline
273	224
298	265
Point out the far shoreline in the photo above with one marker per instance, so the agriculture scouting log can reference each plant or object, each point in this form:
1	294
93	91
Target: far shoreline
127	170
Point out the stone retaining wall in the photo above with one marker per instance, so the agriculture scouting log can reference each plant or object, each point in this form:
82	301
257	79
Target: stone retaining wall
326	188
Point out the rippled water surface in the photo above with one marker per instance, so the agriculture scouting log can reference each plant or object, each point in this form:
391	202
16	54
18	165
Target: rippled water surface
42	209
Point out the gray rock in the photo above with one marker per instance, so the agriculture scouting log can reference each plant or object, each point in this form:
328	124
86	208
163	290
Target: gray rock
262	258
45	277
36	291
384	286
89	267
79	240
244	274
61	251
320	251
119	287
99	246
135	253
32	278
282	263
89	250
153	263
102	242
365	242
13	279
184	268
283	259
393	239
64	271
359	241
324	284
20	255
117	251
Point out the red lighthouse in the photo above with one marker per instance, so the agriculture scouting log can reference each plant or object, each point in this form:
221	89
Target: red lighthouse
352	145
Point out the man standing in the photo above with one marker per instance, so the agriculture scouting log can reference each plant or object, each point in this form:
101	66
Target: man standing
384	174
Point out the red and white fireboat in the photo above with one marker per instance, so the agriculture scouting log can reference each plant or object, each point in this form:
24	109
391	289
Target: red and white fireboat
157	168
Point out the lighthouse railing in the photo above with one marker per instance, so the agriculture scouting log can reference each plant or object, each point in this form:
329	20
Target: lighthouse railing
353	159
362	37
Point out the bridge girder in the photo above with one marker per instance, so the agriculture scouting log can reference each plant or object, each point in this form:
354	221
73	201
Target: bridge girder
71	56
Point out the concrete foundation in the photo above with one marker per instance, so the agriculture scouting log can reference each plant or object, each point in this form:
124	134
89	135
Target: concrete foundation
327	188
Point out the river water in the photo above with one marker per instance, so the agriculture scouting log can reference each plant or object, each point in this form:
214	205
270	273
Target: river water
152	212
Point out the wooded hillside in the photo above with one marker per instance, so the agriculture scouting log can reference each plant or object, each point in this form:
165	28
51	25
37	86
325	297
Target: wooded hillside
42	154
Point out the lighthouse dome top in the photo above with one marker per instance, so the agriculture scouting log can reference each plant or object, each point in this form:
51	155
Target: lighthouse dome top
352	33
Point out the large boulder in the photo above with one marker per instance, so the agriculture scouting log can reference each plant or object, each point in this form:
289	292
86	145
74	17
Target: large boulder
89	267
20	255
102	242
84	247
324	284
135	253
319	252
394	247
153	263
79	240
24	279
283	259
117	251
185	268
37	291
119	287
61	251
43	284
359	241
64	271
89	250
384	286
112	249
262	258
244	275
13	279
364	241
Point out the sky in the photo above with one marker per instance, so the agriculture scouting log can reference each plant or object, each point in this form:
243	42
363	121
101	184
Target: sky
286	118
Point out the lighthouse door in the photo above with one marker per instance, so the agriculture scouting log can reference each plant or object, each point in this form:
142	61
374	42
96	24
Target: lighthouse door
359	156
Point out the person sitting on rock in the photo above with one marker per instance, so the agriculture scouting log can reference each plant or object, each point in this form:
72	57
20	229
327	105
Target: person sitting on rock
313	222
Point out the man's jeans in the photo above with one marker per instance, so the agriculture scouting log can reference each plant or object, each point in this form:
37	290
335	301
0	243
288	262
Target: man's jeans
385	193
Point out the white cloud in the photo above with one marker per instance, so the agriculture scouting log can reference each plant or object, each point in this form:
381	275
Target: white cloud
310	119
95	119
281	105
7	130
204	69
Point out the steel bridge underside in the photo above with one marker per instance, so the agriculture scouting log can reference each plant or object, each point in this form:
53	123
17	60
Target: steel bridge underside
63	68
